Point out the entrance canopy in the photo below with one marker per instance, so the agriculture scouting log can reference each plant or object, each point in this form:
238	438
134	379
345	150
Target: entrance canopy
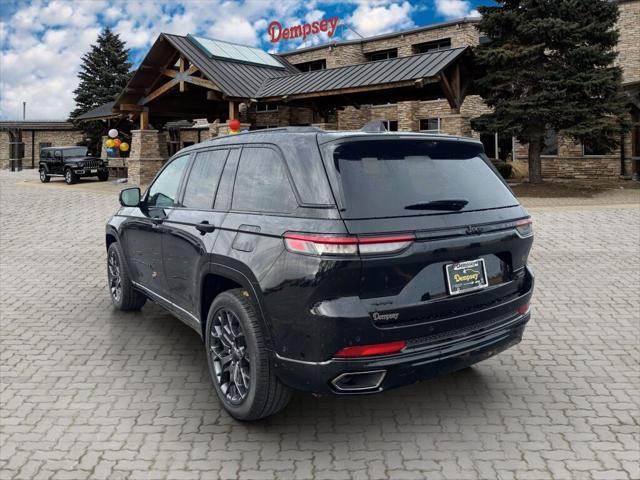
187	77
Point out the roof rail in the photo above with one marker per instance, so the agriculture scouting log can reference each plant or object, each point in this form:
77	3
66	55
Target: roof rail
274	130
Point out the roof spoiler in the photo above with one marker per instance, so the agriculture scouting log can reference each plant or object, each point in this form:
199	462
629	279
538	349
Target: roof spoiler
374	126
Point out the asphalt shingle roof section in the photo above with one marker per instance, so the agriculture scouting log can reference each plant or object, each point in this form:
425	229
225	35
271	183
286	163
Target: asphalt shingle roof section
414	67
235	79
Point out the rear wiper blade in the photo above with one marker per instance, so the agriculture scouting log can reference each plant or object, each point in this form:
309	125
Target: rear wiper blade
449	204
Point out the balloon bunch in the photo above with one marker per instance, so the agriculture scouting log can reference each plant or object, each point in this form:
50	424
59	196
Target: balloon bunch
114	144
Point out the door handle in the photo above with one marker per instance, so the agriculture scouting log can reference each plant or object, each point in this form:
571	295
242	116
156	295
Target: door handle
205	227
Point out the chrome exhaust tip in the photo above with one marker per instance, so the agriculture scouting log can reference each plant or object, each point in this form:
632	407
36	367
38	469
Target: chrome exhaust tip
359	381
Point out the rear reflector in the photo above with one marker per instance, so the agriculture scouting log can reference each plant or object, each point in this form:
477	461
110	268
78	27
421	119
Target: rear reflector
370	350
525	227
346	245
522	309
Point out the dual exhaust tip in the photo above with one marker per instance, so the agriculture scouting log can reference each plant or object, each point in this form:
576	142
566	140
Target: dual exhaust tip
359	381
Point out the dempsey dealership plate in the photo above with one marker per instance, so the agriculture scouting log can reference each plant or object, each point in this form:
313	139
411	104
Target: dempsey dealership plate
466	276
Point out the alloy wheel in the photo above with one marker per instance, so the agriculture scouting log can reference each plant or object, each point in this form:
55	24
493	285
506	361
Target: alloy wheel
230	357
67	176
115	280
43	175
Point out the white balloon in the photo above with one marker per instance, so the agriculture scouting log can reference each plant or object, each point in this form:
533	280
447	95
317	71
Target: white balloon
113	133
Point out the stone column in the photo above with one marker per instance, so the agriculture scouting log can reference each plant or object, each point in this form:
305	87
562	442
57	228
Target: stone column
407	121
148	154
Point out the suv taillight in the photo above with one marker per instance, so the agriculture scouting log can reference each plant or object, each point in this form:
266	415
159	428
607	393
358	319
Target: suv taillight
525	227
346	245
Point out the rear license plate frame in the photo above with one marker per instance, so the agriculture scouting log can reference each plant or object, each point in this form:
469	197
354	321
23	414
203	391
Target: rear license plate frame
458	287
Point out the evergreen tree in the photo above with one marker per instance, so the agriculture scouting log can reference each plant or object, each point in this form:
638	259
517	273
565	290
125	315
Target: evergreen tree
104	72
549	65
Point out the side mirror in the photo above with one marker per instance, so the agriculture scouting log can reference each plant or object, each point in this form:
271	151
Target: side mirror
130	197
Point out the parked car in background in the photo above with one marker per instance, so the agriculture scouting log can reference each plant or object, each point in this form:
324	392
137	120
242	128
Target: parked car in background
71	163
327	262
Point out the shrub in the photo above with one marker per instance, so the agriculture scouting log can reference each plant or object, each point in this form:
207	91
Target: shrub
505	169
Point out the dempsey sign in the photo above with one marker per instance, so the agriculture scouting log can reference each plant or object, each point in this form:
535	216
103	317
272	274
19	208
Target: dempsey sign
277	32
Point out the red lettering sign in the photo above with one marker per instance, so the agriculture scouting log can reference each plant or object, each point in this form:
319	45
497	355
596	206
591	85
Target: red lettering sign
277	32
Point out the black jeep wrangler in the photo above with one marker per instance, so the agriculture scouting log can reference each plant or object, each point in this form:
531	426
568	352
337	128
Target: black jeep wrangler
328	262
71	163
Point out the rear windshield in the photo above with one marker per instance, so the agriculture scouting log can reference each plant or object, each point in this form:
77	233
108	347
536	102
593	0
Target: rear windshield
402	177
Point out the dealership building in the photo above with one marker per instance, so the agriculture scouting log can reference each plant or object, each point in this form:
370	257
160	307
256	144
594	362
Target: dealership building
187	88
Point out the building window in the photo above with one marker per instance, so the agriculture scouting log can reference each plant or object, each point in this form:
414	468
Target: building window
550	144
434	46
382	55
593	150
311	66
430	125
266	107
484	40
390	125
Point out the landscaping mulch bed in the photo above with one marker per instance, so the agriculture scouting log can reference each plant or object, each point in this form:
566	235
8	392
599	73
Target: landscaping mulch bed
570	188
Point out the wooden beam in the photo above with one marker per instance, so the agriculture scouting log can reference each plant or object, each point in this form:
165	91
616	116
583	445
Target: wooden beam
159	91
181	63
131	107
202	82
186	77
449	93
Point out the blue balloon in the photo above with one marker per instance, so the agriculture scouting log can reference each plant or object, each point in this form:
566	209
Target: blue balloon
111	152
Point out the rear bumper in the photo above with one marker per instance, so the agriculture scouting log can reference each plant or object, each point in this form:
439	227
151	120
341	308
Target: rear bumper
419	361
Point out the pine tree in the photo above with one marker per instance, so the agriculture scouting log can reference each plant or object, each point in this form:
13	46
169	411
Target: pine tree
549	64
104	72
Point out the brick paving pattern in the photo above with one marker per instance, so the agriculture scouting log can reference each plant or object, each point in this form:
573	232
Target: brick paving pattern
88	392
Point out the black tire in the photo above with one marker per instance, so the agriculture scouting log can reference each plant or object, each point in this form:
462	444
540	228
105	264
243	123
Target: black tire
103	176
44	178
264	394
123	296
69	177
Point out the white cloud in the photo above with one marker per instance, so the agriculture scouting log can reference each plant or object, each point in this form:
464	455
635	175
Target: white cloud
42	41
375	17
235	29
455	8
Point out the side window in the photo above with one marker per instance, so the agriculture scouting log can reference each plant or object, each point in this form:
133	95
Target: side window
164	191
262	184
57	154
203	179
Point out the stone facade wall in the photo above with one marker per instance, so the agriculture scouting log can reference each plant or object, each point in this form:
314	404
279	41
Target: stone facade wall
285	115
32	146
571	163
4	150
629	41
461	34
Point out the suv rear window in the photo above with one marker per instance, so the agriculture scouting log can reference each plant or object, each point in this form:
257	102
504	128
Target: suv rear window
401	177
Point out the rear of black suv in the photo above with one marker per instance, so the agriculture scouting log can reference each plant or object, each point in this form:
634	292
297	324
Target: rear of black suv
429	275
333	263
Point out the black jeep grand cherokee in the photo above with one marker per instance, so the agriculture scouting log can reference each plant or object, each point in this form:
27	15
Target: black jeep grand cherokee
328	262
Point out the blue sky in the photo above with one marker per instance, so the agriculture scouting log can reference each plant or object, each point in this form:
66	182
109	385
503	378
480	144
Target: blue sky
42	42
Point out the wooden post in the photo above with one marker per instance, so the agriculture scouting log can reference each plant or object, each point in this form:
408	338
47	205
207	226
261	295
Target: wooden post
144	120
233	110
